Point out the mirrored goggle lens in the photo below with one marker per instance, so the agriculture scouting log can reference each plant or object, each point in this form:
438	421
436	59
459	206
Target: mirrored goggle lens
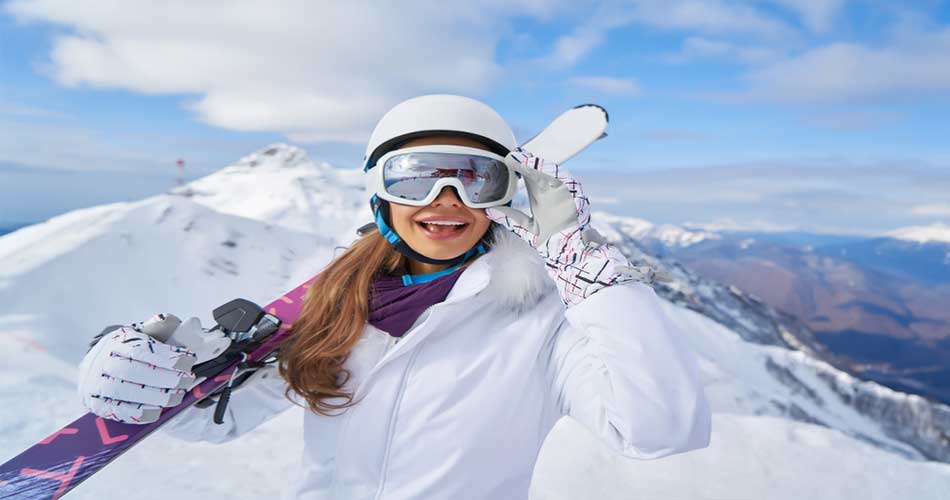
412	176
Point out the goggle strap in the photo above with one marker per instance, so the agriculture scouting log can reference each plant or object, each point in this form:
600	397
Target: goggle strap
384	229
418	279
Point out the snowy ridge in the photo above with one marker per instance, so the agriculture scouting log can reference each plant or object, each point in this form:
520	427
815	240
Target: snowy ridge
786	424
936	232
280	185
744	314
816	392
115	263
669	234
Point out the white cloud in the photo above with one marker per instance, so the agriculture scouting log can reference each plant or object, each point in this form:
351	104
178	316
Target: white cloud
69	144
935	232
711	17
69	147
847	71
569	49
718	17
729	20
731	224
822	195
316	71
817	15
605	200
695	47
932	210
608	85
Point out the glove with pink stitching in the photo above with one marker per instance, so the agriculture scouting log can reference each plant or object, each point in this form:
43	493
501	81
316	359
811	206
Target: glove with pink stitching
129	376
577	257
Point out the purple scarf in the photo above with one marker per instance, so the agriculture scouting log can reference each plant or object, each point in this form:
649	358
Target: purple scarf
394	307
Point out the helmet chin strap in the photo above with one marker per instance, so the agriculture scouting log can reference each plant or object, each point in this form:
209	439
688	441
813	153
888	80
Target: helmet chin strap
383	224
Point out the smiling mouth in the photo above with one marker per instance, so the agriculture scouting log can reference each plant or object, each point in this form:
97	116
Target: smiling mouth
443	228
436	229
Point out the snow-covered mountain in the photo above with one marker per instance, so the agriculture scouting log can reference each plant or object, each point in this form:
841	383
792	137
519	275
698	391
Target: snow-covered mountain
786	424
879	303
788	353
280	185
668	235
937	231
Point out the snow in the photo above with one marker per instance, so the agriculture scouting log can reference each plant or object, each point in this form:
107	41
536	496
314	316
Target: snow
936	232
281	186
749	457
266	223
670	235
163	254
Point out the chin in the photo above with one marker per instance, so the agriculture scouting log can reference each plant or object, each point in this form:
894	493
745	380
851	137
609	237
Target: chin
441	252
441	243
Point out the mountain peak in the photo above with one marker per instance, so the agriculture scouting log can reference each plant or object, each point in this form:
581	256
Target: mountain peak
936	232
278	155
669	234
280	184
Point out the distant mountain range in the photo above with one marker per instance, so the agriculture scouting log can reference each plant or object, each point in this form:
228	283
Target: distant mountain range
880	305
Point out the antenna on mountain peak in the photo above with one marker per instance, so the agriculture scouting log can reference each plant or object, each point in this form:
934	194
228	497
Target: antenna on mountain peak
180	181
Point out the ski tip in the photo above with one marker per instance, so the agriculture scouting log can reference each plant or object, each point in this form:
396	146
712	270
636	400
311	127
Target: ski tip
606	114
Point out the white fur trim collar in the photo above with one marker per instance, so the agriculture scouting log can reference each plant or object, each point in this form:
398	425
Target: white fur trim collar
517	279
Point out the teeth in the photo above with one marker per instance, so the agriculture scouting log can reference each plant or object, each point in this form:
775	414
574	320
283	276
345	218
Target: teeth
444	223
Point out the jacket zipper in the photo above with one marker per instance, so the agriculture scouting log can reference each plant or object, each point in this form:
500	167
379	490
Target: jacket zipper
390	344
392	424
335	483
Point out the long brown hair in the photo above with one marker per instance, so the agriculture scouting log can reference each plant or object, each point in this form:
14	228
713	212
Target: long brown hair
335	312
332	321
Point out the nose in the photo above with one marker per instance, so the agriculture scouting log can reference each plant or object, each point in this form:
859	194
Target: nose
447	197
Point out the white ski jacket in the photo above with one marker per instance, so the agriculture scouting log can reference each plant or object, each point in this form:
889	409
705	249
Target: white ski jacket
460	406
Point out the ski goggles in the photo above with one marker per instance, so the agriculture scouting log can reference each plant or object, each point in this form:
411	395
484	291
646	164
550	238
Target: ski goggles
415	176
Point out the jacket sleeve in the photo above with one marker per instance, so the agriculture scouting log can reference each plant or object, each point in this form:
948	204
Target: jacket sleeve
257	400
620	367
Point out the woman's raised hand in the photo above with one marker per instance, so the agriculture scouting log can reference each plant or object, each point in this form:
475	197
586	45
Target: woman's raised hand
579	259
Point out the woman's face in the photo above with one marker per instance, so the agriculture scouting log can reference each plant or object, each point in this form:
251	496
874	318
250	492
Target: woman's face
461	227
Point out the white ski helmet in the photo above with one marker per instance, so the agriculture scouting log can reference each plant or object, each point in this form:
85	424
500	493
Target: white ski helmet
427	115
439	113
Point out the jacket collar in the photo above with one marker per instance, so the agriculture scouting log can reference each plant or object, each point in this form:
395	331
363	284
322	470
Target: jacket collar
511	274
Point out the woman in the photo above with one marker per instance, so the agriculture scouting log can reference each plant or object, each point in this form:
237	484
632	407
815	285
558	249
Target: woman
438	351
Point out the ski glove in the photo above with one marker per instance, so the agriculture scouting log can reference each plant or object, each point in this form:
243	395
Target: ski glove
577	257
129	376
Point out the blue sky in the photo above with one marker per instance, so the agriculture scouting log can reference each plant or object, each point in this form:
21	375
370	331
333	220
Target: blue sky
826	115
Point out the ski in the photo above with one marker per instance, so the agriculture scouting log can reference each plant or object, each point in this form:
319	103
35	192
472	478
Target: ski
61	461
569	134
